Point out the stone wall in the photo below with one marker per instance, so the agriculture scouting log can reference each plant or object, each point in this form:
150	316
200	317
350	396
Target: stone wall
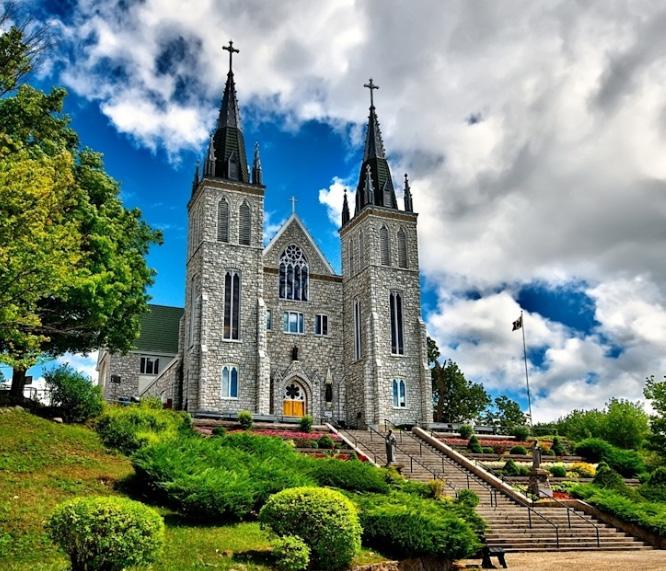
128	368
165	385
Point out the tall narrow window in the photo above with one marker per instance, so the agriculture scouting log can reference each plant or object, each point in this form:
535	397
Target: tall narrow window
361	250
398	394
397	346
195	309
384	246
232	305
321	324
244	224
293	283
223	221
402	248
269	320
230	382
358	350
352	244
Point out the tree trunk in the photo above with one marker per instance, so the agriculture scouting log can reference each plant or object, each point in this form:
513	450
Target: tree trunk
18	382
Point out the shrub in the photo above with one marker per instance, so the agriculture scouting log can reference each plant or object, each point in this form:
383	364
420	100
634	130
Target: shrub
466	431
473	445
129	428
228	477
73	394
626	462
655	487
152	402
520	432
306	443
406	526
107	533
436	489
511	469
326	519
558	471
353	476
606	477
306	423
557	447
518	450
326	442
488	450
291	553
219	431
245	419
468	498
583	469
546	451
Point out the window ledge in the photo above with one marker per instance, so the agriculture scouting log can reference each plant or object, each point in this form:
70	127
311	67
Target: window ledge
232	340
293	332
229	398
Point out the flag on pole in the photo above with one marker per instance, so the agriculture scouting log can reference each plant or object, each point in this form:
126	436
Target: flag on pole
517	324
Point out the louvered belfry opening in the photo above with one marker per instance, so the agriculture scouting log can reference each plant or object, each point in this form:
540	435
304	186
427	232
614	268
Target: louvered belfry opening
223	221
244	224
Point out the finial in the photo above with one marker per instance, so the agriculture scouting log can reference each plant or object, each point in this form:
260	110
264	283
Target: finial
257	176
293	201
371	86
409	206
232	50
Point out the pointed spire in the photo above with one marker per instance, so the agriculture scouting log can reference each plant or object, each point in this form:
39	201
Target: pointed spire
375	174
257	173
229	146
345	209
409	206
209	164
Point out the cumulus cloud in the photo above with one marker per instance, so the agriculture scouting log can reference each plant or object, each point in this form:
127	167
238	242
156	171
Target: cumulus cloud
333	197
535	136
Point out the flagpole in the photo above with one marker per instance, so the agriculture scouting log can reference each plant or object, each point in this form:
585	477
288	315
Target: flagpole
527	378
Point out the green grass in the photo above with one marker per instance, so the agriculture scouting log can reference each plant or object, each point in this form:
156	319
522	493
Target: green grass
43	463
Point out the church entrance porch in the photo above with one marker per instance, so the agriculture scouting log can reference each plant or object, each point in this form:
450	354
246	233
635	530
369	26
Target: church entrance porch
293	400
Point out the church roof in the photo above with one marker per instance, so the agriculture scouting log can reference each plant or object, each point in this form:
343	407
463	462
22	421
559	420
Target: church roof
159	329
295	219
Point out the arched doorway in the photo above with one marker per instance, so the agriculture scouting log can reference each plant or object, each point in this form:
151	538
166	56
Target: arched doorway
293	399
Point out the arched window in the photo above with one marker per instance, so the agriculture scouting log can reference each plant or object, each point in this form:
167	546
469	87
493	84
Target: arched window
230	382
294	274
384	246
223	221
402	248
397	346
232	305
398	394
244	224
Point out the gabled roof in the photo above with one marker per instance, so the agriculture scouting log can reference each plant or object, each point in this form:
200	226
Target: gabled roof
159	329
295	219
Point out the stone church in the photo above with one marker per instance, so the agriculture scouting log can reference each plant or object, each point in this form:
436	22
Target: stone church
274	330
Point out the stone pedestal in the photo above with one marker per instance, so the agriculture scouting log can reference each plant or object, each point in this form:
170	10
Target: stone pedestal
538	484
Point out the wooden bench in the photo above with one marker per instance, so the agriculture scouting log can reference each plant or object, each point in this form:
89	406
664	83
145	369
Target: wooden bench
488	553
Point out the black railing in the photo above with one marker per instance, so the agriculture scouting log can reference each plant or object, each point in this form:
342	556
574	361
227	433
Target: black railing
358	444
570	511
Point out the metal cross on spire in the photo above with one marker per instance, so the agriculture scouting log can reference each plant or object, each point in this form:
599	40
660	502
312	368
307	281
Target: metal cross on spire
371	86
232	50
293	204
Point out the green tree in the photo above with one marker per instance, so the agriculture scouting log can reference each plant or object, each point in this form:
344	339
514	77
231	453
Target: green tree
72	258
456	399
505	414
433	351
655	391
625	423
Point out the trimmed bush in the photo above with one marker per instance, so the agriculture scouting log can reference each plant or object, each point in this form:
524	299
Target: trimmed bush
513	469
473	445
326	442
488	450
404	526
557	447
626	462
353	476
131	427
518	450
583	469
306	423
219	431
558	471
245	419
606	477
520	432
306	443
72	394
326	519
107	533
468	498
436	489
655	487
466	431
291	553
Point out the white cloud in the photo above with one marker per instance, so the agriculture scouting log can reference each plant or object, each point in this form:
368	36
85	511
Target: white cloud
84	363
560	177
333	196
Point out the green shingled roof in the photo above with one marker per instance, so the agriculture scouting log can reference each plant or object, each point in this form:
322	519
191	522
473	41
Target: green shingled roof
159	329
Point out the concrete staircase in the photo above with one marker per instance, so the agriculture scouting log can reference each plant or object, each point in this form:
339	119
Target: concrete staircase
511	525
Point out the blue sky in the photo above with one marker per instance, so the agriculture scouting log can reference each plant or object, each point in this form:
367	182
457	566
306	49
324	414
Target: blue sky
534	138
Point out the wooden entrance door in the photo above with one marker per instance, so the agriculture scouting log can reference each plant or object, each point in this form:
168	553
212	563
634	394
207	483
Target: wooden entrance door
293	408
293	400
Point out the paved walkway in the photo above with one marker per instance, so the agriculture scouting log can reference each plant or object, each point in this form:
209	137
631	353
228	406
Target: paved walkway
654	560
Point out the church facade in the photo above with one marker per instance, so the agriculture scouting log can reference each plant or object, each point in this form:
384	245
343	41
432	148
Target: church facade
275	330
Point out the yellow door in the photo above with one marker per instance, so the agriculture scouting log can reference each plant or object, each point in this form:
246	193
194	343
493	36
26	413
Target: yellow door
293	408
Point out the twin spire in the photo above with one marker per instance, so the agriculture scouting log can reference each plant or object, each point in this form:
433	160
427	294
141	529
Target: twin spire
226	157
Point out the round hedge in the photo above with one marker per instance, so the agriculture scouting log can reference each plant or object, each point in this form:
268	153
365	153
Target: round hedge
291	554
325	519
106	533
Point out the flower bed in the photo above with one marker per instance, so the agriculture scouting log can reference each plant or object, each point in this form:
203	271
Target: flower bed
293	434
487	442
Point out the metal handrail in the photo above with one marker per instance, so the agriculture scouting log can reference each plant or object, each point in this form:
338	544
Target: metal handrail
571	510
412	459
356	443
